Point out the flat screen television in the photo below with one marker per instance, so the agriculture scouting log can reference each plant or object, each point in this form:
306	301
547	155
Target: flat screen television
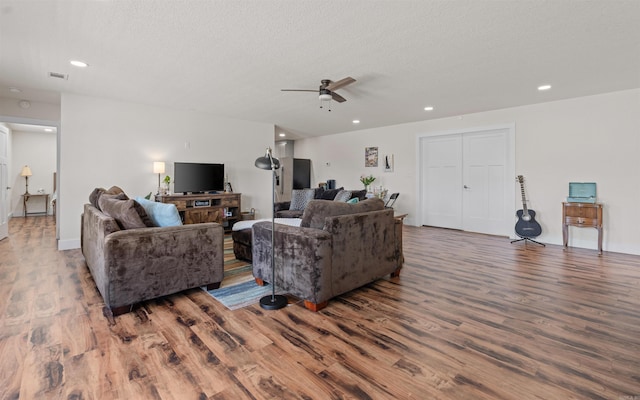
198	177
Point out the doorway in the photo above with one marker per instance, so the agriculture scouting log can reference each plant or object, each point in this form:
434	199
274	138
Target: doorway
34	143
4	182
466	180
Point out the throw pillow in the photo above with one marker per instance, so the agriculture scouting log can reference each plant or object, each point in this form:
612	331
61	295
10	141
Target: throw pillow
300	198
343	196
360	194
161	214
94	197
353	201
330	194
125	212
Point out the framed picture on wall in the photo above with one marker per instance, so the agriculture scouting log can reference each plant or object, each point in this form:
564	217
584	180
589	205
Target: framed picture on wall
370	156
388	163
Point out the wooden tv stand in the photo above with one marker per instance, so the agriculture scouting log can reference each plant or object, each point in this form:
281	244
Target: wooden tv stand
200	208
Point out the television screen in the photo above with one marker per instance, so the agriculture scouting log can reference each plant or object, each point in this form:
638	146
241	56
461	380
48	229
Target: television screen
198	178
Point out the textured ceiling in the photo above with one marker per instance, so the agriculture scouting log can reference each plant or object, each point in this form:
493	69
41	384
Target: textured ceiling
231	58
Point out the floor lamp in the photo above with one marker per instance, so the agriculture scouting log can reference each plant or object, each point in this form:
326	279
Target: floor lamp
273	302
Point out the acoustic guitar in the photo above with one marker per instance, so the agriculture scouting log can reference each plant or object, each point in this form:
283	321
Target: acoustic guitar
527	226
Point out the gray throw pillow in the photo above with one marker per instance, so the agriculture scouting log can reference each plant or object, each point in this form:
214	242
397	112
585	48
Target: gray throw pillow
343	196
127	213
300	198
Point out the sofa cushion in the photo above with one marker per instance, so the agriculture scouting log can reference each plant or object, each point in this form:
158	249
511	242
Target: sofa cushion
162	214
94	197
318	192
342	196
359	194
300	198
318	210
330	194
353	200
127	213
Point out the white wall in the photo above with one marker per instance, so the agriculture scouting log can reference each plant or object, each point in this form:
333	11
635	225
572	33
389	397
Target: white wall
586	139
38	151
105	143
37	111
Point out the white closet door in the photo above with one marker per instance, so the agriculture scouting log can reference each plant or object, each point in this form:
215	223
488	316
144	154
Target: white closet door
485	182
442	181
466	181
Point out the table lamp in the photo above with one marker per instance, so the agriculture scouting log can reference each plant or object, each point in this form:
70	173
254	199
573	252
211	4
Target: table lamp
26	172
158	168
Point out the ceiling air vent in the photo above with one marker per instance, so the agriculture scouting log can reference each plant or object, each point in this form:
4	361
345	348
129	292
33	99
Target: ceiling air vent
58	75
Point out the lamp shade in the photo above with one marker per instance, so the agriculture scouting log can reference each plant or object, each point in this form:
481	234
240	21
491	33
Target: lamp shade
26	171
158	167
267	161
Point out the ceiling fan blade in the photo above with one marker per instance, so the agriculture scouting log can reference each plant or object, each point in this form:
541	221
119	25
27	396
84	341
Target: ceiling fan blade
341	83
299	90
337	97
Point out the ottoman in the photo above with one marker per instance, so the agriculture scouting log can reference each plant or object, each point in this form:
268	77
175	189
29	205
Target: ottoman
242	236
242	244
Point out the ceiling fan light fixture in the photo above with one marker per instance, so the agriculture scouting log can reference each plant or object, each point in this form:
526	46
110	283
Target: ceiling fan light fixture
325	95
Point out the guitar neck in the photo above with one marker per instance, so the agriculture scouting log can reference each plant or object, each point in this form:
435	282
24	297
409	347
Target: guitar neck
524	200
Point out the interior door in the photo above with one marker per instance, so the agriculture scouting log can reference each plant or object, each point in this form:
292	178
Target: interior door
464	181
485	182
4	183
442	181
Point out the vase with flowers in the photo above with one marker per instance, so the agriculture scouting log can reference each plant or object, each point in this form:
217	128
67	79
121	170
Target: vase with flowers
367	181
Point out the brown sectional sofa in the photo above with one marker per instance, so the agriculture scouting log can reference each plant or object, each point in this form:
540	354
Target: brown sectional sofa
138	264
338	247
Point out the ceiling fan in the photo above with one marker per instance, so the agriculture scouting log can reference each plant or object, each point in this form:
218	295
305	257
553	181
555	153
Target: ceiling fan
326	91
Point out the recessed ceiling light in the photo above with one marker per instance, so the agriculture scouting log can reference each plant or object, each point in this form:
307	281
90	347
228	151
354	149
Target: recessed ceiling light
48	130
282	135
356	121
15	90
77	63
428	108
544	87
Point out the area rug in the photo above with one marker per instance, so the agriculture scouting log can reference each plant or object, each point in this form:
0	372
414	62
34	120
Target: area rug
238	288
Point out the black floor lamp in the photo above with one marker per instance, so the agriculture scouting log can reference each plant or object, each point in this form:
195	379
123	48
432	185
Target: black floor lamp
273	302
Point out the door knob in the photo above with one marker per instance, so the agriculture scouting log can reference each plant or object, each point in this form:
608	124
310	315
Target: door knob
466	187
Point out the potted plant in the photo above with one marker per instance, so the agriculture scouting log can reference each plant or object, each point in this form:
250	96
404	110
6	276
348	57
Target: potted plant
166	182
367	181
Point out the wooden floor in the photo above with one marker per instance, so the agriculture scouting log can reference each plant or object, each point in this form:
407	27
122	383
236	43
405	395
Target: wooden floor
470	317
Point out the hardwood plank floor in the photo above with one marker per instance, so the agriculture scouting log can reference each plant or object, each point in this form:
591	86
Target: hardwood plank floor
470	317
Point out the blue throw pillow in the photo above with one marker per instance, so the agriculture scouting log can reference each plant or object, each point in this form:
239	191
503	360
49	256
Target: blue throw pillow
160	213
353	201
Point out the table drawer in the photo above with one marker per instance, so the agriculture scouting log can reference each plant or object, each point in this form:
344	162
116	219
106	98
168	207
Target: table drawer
579	221
230	202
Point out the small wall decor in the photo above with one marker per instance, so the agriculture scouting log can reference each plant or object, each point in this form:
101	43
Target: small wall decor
370	156
388	163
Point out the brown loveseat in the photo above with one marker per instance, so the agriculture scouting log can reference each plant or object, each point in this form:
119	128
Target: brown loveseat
138	264
338	247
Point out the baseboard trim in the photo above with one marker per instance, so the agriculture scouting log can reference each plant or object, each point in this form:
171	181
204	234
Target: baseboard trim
69	244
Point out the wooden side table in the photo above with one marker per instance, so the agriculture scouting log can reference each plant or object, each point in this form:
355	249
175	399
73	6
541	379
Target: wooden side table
581	215
27	196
